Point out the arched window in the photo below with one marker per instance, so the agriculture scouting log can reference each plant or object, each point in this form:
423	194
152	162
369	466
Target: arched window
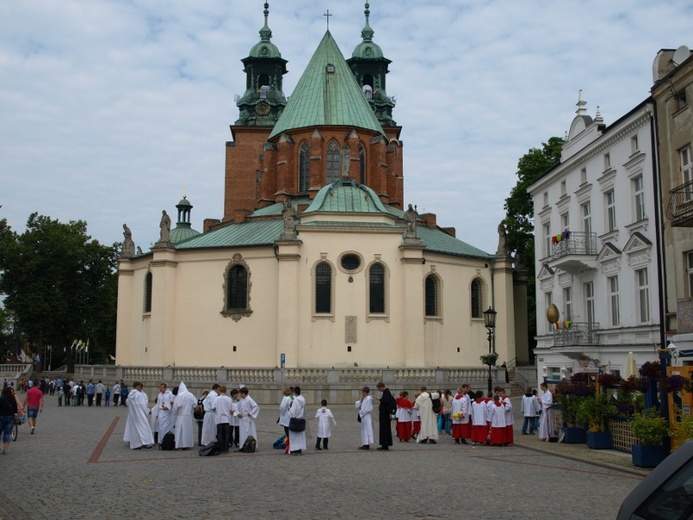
304	168
376	279
263	81
362	164
148	292
323	288
368	80
477	298
432	296
333	160
237	289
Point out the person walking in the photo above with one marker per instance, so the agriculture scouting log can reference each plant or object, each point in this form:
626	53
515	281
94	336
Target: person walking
297	412
100	388
8	408
33	402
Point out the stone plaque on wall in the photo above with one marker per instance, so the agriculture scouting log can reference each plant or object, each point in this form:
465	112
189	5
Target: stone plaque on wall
684	316
350	329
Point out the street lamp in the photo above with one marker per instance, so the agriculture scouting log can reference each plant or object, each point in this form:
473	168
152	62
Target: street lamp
490	324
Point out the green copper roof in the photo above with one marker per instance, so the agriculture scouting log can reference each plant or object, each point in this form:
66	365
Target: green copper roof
248	233
327	97
181	233
367	49
265	48
346	196
437	241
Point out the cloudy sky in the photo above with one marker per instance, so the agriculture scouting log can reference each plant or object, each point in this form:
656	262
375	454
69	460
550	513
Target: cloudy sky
111	109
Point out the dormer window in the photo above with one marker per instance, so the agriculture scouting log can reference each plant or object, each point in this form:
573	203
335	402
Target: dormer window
330	68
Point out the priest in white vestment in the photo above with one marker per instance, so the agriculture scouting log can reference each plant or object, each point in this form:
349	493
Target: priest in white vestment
137	430
248	410
209	423
164	411
297	440
424	404
182	410
545	426
365	407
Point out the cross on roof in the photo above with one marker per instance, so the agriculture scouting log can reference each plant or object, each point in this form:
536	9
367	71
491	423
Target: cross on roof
327	15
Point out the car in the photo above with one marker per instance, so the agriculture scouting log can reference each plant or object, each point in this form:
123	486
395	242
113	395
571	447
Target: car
666	493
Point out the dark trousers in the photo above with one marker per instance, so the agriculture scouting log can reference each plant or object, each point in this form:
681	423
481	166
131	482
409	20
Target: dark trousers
90	399
235	433
223	436
115	399
325	442
98	399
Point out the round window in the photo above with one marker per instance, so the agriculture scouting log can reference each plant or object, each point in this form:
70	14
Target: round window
351	262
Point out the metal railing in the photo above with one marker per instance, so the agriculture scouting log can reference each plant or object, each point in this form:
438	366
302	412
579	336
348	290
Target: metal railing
577	333
576	243
680	207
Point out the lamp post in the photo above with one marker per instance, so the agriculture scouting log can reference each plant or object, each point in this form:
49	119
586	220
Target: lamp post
490	324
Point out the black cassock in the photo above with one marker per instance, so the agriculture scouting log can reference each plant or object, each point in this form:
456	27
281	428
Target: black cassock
388	405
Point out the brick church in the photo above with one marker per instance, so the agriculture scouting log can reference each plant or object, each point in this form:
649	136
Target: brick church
317	260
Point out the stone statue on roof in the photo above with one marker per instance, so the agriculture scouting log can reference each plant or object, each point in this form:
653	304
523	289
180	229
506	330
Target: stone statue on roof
128	250
502	240
290	217
165	227
346	161
410	217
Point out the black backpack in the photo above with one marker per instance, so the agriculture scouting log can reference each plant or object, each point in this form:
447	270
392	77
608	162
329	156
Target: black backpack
168	442
436	405
249	445
210	450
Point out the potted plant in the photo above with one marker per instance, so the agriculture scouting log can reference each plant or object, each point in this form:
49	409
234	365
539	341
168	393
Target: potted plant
651	431
570	396
596	411
489	359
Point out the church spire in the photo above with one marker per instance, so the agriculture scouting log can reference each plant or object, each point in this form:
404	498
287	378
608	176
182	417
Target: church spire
367	32
266	32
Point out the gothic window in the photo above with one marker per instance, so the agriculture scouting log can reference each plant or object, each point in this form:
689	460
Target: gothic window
323	288
148	293
333	161
303	168
237	289
376	288
477	298
432	290
362	164
368	80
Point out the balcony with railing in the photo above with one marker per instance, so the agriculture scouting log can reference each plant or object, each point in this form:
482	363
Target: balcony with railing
574	250
576	333
680	208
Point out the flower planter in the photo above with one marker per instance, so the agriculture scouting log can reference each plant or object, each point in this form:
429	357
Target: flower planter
649	456
599	440
574	435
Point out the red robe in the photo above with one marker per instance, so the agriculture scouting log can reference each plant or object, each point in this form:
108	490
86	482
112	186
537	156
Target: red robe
404	429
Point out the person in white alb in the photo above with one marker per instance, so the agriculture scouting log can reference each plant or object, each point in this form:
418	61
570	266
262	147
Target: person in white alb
297	440
209	423
137	430
324	421
365	408
222	414
182	410
248	410
164	412
545	423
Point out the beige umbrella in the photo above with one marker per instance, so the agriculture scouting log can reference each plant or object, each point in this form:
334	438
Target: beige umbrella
631	366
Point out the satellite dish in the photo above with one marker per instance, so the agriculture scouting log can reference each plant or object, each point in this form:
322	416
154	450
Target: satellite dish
680	55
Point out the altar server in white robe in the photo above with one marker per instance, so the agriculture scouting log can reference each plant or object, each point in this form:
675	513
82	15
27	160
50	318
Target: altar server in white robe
137	430
164	411
324	420
545	426
424	404
365	407
297	440
209	423
248	410
182	409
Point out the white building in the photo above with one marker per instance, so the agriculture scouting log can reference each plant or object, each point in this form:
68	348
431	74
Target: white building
595	246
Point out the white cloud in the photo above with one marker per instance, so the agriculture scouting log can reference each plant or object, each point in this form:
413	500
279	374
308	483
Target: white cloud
110	109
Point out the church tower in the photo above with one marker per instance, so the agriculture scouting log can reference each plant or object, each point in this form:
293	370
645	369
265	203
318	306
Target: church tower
263	100
369	66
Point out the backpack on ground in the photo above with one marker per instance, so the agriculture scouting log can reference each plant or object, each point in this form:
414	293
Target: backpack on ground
168	442
280	443
249	445
436	405
210	450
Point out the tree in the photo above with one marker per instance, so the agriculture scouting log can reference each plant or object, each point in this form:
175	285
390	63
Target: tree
519	214
60	285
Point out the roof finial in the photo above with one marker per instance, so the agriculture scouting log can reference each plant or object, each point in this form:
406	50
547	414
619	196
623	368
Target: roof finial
367	32
327	16
266	32
581	111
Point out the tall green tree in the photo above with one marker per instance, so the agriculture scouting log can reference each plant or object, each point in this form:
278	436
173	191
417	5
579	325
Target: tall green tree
519	215
60	285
